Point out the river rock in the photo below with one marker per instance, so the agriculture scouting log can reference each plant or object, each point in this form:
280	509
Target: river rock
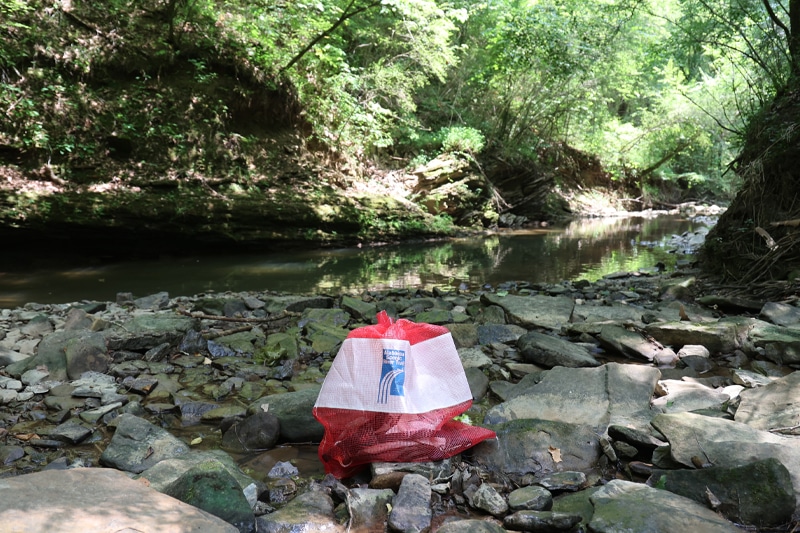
530	449
96	499
162	474
159	300
478	383
369	509
504	333
137	445
411	510
358	308
781	314
66	355
486	498
209	486
780	344
474	358
550	351
679	395
636	346
294	411
714	441
622	506
592	397
536	311
296	303
773	406
255	433
758	493
722	336
310	511
11	357
146	331
541	521
530	498
470	526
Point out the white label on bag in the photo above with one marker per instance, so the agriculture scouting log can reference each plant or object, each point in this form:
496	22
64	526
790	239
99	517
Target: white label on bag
393	376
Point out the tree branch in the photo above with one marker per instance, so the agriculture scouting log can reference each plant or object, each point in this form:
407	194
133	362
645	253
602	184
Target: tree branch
346	14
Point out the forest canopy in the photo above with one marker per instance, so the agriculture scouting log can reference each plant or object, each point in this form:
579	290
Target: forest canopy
662	92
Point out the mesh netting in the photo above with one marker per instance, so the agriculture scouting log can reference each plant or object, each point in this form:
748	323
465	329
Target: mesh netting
356	437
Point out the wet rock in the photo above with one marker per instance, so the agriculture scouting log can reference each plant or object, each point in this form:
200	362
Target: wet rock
137	445
242	343
96	497
550	351
296	303
545	521
619	505
310	511
759	493
209	486
159	300
411	510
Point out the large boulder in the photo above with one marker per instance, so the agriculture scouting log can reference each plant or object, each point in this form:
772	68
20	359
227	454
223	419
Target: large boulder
96	499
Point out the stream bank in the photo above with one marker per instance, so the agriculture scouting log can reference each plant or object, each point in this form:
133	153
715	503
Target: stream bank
602	395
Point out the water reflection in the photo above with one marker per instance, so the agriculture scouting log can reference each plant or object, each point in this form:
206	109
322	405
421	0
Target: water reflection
583	249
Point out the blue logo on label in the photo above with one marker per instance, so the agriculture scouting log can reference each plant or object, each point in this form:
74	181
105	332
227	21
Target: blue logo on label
393	374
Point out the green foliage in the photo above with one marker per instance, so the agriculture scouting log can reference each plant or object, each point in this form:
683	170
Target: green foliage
462	139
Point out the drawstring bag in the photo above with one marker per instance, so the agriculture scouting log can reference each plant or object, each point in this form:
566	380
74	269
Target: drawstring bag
391	396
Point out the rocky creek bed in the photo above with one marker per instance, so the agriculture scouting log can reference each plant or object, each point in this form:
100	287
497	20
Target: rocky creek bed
619	405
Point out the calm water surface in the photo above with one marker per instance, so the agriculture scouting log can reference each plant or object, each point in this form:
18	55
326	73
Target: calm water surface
583	249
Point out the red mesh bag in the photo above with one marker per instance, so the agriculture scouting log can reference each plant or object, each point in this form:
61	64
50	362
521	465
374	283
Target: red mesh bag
391	396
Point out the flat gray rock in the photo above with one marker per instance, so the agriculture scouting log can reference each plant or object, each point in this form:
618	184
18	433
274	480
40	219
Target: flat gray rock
772	406
594	397
623	506
550	351
722	336
721	442
534	311
95	500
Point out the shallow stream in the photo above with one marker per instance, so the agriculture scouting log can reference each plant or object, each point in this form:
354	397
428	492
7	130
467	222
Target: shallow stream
587	248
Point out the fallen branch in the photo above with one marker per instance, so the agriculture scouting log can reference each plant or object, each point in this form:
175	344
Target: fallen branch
203	316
